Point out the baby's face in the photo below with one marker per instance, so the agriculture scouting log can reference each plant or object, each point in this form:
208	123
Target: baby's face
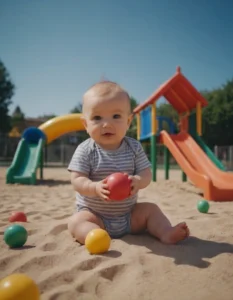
107	120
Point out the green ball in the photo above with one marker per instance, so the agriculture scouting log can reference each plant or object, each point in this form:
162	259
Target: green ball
203	206
15	236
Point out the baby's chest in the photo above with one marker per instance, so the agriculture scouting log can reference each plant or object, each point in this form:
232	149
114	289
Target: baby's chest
110	163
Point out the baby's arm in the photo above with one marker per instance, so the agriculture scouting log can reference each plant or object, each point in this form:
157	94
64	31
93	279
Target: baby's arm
143	175
140	180
144	178
82	184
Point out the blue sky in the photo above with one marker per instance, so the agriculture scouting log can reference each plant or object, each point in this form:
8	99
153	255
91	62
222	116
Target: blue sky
54	50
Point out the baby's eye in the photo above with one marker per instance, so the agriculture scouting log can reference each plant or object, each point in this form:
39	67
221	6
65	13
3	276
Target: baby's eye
96	118
116	116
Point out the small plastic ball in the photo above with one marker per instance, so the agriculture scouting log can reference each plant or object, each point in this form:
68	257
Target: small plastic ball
20	287
203	206
15	236
97	241
18	216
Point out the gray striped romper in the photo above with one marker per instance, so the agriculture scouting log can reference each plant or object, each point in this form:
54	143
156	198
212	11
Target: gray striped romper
97	163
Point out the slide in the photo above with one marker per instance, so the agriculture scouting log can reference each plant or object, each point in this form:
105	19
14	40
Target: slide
25	163
28	153
56	127
208	152
215	183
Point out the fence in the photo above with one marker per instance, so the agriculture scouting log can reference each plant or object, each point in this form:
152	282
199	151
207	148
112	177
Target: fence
59	152
225	155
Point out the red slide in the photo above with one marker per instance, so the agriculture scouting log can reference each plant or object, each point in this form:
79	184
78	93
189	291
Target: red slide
216	184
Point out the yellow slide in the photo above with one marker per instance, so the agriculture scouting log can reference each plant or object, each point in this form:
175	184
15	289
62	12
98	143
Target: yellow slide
58	126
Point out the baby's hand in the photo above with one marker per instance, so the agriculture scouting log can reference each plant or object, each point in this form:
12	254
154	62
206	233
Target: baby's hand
101	189
135	184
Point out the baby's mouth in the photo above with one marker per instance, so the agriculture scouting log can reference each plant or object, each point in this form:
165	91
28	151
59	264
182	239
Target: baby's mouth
108	134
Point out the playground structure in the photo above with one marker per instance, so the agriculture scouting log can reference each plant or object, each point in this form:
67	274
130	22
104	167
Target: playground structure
195	159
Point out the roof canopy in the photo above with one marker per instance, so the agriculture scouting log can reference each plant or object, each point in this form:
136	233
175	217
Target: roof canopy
179	92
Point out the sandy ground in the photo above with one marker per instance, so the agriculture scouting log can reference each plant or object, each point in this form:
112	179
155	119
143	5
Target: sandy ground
136	267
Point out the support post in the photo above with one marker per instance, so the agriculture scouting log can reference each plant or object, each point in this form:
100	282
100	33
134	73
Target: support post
153	156
138	126
199	118
166	162
153	141
45	155
41	164
184	177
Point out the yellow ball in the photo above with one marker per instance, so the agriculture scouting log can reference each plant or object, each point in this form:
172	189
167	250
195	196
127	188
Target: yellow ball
97	241
18	287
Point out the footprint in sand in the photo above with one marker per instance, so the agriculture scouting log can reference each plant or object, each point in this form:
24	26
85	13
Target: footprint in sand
111	272
32	231
5	219
96	283
48	247
90	264
31	213
58	229
5	262
36	218
39	263
62	217
68	276
64	295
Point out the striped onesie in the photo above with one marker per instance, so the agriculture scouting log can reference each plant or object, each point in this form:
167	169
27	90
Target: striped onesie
89	158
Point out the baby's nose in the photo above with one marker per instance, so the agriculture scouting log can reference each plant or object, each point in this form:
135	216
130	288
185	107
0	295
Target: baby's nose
106	123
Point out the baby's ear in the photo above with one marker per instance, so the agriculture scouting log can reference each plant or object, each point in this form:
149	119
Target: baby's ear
84	121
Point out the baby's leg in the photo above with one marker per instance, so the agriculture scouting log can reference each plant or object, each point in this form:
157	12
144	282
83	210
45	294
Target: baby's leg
149	216
83	222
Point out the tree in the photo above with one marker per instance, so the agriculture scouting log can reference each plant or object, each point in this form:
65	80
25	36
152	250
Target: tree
77	109
132	132
167	110
17	117
218	116
47	117
6	93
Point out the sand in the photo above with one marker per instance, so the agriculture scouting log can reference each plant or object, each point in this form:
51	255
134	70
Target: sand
136	267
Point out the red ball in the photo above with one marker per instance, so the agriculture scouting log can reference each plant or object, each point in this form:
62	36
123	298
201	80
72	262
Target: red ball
119	186
18	216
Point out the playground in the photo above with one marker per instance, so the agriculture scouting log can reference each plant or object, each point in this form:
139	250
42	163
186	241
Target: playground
195	159
134	267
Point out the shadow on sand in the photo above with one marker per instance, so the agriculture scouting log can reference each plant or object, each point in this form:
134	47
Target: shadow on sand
52	182
192	251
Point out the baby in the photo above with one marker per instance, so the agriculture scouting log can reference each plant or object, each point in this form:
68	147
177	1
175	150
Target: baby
107	117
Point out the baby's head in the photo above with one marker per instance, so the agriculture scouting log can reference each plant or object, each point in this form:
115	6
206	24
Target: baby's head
107	113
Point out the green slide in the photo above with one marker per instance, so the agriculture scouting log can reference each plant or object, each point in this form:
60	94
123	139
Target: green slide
208	152
26	160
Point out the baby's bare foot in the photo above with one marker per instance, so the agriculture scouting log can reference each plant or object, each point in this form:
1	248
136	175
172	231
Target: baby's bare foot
176	234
